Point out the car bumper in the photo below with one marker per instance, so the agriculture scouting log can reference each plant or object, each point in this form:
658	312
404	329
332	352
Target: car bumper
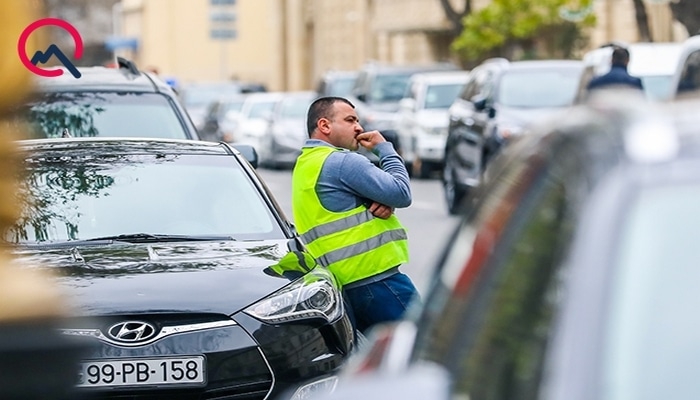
245	359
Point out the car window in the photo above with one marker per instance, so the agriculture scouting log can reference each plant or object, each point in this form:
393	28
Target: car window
104	114
261	109
78	196
539	88
655	287
690	76
341	86
505	282
389	87
441	96
294	107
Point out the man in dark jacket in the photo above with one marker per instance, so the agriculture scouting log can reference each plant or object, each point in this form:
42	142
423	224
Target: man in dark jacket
618	75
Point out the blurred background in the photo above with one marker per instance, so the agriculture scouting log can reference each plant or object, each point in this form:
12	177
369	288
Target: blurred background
289	44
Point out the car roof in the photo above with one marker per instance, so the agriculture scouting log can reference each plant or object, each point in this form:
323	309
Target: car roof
103	78
126	145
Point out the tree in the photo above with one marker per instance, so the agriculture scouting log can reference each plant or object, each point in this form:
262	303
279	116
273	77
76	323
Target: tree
687	12
455	17
524	29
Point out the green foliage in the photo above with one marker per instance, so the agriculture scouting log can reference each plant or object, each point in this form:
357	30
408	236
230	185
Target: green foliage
536	28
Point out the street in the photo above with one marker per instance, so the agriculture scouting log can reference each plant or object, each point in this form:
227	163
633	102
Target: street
426	220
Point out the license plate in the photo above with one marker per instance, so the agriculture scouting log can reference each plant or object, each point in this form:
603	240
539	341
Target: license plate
142	371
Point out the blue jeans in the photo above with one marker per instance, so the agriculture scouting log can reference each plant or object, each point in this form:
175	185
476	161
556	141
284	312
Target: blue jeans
385	300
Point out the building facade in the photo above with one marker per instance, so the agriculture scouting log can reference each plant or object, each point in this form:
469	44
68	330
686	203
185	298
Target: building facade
288	44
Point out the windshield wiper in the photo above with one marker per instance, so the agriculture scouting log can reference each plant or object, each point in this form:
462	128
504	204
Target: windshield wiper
150	237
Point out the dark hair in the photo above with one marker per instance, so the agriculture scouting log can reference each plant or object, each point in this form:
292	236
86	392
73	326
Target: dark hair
322	108
620	56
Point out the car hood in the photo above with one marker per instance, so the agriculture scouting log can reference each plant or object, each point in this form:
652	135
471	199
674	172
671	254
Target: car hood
433	118
216	277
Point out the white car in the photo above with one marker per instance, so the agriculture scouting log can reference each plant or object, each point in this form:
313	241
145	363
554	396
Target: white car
255	117
423	119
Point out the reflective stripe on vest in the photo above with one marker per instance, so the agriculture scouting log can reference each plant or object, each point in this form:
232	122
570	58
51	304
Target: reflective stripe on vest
362	247
337	226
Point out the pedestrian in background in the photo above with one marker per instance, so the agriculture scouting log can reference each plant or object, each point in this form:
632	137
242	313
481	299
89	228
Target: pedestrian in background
618	75
343	207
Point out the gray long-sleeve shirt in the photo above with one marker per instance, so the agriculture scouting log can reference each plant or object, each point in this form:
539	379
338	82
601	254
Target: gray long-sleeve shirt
349	179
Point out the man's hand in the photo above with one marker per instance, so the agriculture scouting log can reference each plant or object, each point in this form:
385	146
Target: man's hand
369	139
380	210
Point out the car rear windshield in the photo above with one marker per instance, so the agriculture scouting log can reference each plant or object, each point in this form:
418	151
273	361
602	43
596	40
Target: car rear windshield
539	88
81	196
103	114
652	337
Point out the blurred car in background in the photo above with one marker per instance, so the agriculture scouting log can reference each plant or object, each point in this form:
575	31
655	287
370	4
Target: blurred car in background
654	63
336	83
572	277
686	77
376	95
498	102
197	96
255	117
422	122
106	102
221	119
186	278
286	132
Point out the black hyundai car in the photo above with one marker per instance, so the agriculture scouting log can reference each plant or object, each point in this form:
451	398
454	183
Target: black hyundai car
184	276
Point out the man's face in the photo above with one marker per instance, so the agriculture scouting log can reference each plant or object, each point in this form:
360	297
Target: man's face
344	126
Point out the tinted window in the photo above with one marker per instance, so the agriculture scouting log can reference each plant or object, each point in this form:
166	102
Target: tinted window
83	196
389	88
85	114
441	96
690	77
653	323
539	88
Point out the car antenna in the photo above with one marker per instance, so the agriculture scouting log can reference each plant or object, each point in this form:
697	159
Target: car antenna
66	133
128	64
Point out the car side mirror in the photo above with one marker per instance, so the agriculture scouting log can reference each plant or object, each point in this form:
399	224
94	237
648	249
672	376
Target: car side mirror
362	97
248	152
407	104
479	103
492	112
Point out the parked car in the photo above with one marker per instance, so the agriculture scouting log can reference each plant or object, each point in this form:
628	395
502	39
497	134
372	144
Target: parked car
336	83
221	119
196	96
573	277
498	102
654	63
281	144
186	278
376	95
686	78
422	123
255	117
106	102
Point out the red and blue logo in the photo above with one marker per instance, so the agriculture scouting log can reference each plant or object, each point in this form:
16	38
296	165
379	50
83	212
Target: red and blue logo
53	50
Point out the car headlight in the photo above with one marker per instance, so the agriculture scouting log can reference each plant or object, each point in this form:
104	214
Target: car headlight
315	295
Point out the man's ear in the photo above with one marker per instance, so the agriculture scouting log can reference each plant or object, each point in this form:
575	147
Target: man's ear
323	126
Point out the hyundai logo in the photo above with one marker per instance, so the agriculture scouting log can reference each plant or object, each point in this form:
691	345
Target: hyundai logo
132	331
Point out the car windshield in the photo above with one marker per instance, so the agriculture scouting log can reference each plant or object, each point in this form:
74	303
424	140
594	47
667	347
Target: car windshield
389	88
294	107
82	196
540	88
657	87
653	323
341	86
442	96
261	109
89	114
233	106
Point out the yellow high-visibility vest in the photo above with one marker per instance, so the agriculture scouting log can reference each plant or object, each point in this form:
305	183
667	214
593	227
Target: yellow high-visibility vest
352	244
